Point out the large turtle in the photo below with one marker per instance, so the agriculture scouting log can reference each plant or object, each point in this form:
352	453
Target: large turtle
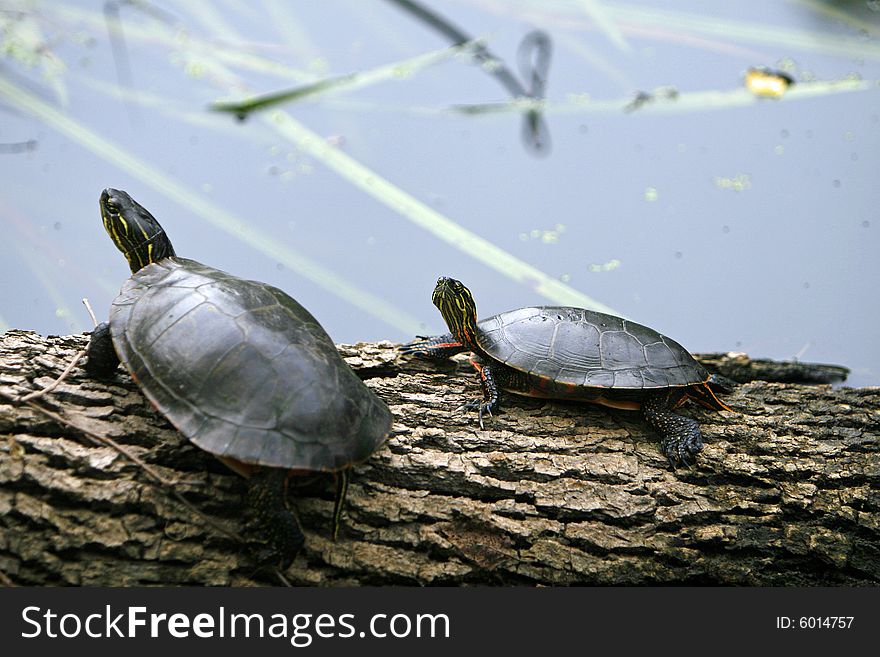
559	352
238	367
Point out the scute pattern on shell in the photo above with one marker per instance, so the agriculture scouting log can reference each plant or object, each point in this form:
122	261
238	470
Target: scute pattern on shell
586	348
243	370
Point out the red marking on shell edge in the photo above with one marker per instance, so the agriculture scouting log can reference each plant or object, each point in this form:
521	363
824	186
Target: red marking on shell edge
621	405
238	467
247	469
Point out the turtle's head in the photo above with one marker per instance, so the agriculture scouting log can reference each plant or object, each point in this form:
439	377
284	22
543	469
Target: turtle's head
457	306
133	230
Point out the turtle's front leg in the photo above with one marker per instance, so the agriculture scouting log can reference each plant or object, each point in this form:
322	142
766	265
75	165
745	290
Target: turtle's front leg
102	359
488	405
267	497
680	436
435	347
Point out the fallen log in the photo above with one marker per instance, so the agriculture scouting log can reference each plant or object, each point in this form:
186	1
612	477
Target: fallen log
785	491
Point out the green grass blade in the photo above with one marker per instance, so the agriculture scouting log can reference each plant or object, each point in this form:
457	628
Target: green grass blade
693	101
426	217
243	108
396	71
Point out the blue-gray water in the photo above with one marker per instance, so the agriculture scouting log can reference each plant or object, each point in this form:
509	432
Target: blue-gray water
729	224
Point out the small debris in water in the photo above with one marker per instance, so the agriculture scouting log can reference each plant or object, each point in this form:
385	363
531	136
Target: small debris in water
767	83
739	183
546	236
606	266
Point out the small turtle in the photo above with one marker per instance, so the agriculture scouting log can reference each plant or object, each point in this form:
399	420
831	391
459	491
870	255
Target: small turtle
559	352
238	367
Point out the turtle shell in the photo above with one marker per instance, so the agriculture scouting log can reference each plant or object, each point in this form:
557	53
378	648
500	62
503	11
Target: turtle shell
243	370
587	349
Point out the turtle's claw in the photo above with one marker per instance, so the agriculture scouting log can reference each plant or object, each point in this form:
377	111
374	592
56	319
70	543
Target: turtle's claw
681	459
681	451
483	409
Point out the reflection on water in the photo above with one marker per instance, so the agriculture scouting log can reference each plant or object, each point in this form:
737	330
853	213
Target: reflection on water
672	193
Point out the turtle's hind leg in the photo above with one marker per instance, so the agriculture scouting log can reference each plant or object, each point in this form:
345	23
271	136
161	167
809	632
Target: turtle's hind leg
680	437
267	496
491	400
102	359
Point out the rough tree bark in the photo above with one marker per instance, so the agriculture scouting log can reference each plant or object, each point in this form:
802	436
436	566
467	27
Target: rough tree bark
785	491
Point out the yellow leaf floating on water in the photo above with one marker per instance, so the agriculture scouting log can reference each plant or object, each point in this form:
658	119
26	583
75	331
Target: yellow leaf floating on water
767	83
